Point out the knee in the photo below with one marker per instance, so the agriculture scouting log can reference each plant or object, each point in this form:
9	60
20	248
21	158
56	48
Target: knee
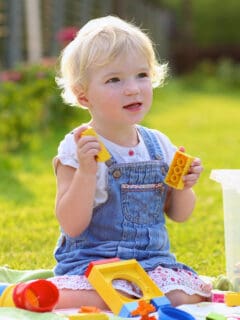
178	297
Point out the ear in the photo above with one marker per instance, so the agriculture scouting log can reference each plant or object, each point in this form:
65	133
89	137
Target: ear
81	96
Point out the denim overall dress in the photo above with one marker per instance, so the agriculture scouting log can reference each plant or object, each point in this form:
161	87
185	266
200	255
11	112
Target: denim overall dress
130	224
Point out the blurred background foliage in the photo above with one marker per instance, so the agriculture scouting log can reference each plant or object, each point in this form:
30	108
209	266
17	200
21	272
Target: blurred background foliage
211	22
185	31
198	39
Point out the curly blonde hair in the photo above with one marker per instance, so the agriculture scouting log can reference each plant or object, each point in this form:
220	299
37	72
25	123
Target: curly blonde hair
98	43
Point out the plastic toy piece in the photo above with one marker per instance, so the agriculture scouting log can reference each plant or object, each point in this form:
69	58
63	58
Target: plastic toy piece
215	316
143	310
218	296
88	316
103	155
37	295
102	275
171	313
232	299
222	283
31	298
6	298
94	263
178	168
89	309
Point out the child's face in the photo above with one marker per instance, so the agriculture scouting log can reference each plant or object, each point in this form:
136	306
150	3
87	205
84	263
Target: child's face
120	93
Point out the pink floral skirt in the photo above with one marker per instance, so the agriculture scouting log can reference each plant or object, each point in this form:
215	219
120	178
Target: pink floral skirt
166	279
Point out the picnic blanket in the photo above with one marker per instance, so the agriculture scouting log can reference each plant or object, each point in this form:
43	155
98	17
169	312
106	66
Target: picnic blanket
16	313
11	276
8	275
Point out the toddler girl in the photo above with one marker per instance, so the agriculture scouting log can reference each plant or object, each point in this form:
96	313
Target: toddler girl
117	208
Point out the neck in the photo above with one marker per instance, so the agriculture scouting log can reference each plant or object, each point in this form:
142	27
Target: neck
126	137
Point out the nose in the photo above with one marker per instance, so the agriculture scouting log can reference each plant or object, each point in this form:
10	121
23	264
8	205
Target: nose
131	87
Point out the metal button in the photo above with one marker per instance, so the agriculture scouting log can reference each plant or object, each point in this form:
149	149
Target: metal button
108	162
117	173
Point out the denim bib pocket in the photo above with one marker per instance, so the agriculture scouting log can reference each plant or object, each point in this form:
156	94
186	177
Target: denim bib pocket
142	203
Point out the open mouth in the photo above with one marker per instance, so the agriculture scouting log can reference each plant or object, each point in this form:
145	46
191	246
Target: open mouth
133	106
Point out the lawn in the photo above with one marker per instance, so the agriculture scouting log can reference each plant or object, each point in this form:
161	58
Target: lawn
204	120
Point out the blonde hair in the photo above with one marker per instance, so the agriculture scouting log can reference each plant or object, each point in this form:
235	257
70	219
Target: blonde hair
97	43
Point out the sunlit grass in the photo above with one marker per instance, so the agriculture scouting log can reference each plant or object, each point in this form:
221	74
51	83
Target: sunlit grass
205	122
207	125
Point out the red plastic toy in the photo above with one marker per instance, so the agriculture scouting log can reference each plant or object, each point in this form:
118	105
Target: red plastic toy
37	295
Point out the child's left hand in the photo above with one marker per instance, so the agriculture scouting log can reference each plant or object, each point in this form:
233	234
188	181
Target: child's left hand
191	178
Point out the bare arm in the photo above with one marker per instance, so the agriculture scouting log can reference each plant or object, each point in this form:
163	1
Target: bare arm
76	187
180	203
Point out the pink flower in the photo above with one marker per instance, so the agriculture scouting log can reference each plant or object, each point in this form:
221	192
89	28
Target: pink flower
10	75
67	34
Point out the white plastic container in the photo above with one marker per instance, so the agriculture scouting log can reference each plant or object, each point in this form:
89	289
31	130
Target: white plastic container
230	181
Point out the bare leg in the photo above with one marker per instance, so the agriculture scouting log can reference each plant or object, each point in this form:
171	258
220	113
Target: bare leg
178	297
77	298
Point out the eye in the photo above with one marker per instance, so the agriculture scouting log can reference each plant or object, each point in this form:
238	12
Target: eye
113	80
143	75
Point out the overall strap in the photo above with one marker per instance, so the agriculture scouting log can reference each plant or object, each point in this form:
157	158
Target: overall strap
151	142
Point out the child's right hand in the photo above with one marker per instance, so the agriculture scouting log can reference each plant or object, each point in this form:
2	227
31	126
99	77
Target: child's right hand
87	150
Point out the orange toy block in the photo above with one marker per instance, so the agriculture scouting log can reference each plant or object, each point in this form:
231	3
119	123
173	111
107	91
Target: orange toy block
178	168
103	155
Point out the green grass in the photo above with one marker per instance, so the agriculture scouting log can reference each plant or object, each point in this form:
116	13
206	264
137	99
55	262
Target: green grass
205	121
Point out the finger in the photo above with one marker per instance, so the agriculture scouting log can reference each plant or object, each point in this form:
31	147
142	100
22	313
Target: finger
78	132
196	169
87	140
91	146
181	148
191	177
196	162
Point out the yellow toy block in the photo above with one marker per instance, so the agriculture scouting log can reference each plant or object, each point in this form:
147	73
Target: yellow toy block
88	316
102	275
232	299
103	155
178	168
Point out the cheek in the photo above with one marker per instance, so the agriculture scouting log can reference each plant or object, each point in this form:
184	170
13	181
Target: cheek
99	96
148	92
110	95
